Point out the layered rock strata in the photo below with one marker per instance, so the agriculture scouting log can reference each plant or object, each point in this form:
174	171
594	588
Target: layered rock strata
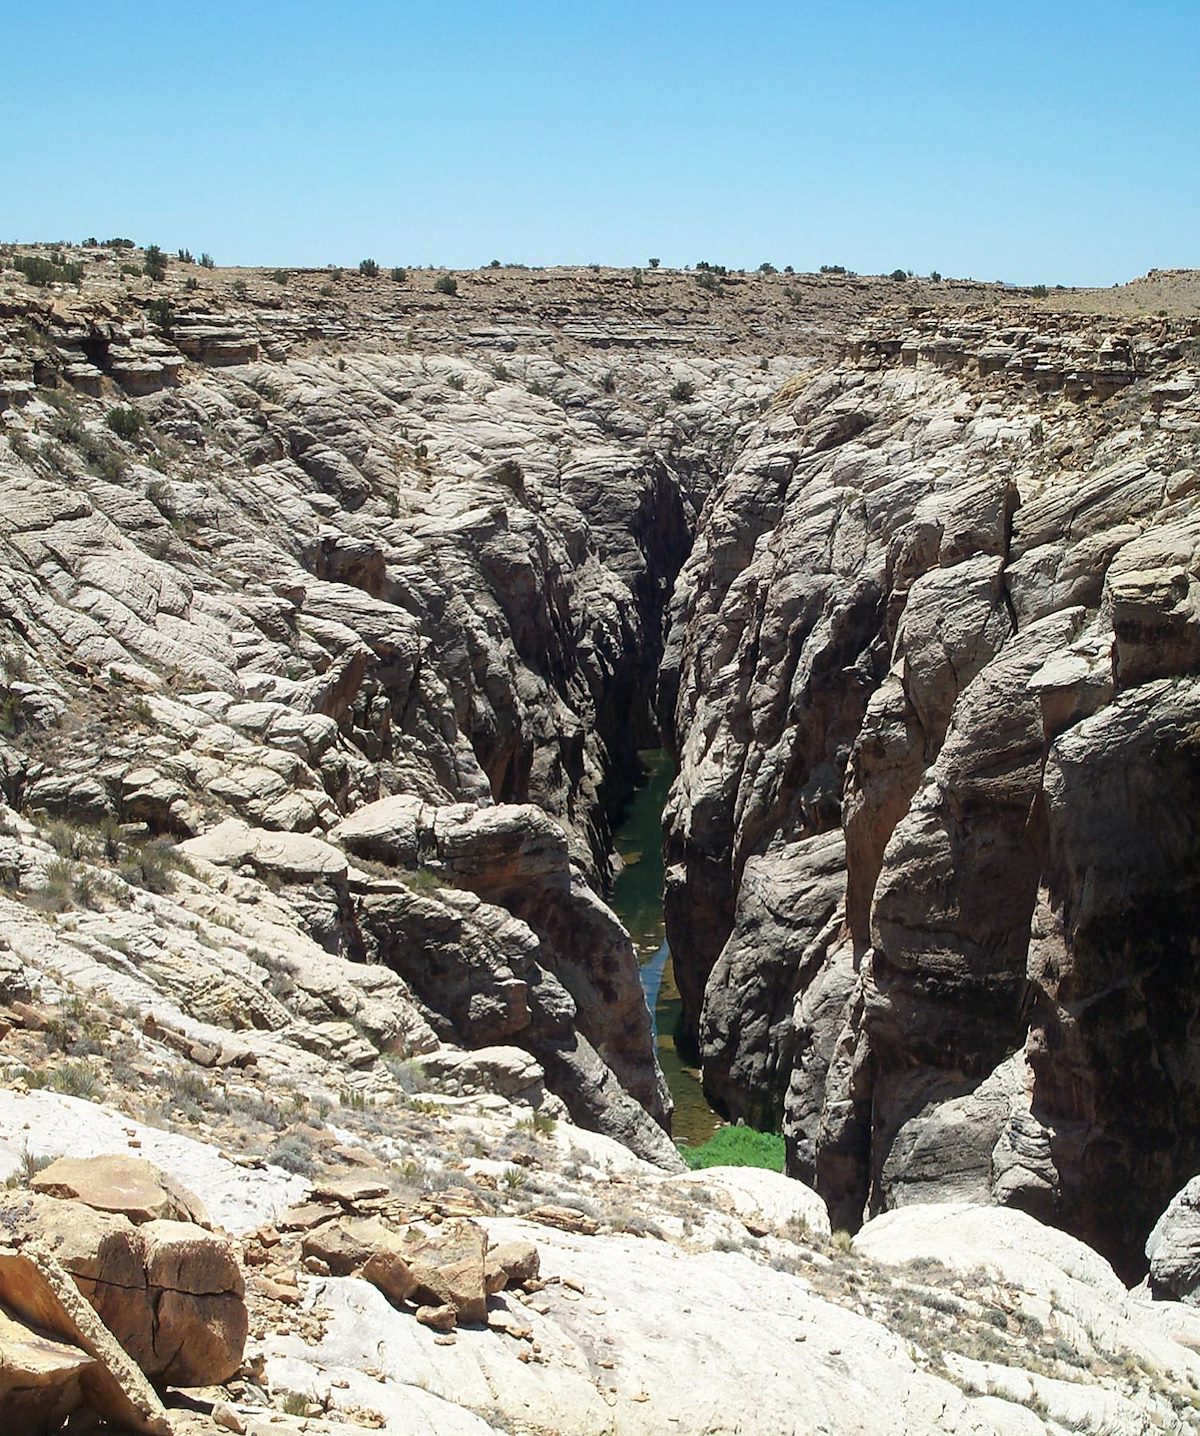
931	850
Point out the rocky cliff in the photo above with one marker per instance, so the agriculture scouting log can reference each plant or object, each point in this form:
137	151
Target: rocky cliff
933	842
333	610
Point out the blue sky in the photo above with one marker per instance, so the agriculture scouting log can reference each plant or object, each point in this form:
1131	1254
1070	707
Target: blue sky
1050	142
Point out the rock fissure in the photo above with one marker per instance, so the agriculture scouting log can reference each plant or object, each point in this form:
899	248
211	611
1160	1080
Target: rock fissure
371	623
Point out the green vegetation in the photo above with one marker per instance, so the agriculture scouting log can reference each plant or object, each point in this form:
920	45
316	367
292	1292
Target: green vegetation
161	313
368	268
737	1147
280	276
41	271
207	261
155	264
654	263
400	274
446	284
97	451
683	391
125	423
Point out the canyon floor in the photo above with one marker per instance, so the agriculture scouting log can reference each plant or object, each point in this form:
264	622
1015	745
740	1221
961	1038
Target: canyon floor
334	611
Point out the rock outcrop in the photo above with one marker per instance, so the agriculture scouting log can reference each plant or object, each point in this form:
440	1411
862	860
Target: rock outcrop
330	629
930	852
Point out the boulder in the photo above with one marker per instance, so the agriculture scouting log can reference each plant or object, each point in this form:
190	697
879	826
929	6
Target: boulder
50	1317
288	856
1173	1248
511	1263
130	1186
447	1265
348	1243
197	1295
40	1377
172	1293
393	1276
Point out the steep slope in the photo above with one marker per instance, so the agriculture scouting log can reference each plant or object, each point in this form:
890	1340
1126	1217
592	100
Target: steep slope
932	847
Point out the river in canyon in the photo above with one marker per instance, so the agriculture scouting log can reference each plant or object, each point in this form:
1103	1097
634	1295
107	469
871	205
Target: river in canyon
637	901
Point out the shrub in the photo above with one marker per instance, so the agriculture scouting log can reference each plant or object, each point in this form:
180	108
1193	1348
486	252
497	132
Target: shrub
41	271
446	284
280	276
76	1079
400	274
239	289
898	274
154	266
293	1154
368	268
683	391
1038	291
207	261
10	714
161	313
766	267
737	1147
192	283
833	269
654	263
57	891
935	276
326	291
125	423
152	866
185	256
117	243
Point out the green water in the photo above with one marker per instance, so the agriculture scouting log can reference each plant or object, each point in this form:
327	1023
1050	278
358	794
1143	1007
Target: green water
637	901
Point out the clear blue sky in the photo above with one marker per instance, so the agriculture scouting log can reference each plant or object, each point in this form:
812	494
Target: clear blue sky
1054	141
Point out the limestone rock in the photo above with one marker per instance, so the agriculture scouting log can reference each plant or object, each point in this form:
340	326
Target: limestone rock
40	1377
41	1296
171	1292
511	1263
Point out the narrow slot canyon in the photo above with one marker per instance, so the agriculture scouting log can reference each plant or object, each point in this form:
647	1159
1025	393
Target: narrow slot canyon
459	754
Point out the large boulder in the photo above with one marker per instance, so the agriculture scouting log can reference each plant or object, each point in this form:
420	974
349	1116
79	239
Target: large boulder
448	1265
40	1377
171	1292
57	1356
436	1266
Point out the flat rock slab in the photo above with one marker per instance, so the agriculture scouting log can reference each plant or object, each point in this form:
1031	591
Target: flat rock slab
349	1189
130	1186
51	1125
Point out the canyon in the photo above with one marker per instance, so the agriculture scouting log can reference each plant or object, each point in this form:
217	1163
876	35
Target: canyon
335	611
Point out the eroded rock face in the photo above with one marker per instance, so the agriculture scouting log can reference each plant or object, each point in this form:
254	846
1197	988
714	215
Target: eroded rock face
931	851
